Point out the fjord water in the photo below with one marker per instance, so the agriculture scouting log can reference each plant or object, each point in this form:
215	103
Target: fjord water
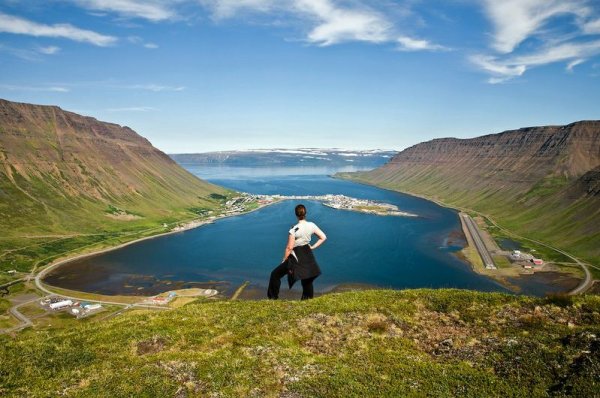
391	252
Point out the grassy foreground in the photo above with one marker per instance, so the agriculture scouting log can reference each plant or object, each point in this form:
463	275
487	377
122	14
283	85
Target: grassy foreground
356	344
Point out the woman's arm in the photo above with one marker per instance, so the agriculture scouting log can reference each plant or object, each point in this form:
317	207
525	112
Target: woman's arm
289	247
322	238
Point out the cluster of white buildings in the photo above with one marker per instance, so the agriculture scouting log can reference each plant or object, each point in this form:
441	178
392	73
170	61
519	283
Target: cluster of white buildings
238	204
528	261
341	202
79	309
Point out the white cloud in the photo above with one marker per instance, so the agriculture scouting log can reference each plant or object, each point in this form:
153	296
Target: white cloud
411	44
556	40
228	8
516	20
132	109
139	41
49	50
56	89
562	52
501	72
17	25
326	22
573	64
145	9
592	27
336	24
22	53
504	69
155	87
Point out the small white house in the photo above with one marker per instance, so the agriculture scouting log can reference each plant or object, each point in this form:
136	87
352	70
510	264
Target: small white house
92	307
61	304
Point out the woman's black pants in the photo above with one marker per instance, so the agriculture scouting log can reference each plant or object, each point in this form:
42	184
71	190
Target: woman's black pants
275	283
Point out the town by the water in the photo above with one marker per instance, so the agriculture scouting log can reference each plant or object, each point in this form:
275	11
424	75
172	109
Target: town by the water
340	202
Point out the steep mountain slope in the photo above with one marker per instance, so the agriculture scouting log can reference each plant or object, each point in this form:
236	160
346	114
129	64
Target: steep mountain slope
541	181
62	173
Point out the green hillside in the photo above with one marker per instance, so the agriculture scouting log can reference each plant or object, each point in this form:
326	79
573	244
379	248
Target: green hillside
542	182
70	183
359	344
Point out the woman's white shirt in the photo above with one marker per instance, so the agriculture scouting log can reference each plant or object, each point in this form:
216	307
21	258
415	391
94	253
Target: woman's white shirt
303	231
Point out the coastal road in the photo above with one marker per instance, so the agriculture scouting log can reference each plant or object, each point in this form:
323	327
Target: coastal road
41	287
486	257
587	281
25	322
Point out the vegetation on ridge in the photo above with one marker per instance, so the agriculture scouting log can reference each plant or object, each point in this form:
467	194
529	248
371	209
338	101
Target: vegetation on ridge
357	344
540	182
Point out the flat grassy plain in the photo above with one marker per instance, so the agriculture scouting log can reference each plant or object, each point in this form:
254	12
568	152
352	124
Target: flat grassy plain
355	344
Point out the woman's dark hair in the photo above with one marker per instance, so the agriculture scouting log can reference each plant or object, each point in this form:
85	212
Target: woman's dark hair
300	211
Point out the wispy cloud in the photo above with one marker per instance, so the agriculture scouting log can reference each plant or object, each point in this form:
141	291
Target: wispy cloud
132	109
505	69
153	87
139	41
56	89
145	9
23	53
515	22
49	50
222	9
327	22
592	27
335	24
104	84
410	44
18	25
573	64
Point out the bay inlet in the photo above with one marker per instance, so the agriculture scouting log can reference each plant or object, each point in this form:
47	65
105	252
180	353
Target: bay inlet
362	249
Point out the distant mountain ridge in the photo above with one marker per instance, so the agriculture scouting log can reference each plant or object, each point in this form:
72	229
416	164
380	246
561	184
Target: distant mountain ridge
541	181
289	157
63	173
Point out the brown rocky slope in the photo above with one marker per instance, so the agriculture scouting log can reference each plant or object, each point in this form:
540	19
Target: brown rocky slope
543	182
63	172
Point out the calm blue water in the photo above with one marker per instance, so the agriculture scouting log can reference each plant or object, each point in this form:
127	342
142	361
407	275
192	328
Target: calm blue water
395	252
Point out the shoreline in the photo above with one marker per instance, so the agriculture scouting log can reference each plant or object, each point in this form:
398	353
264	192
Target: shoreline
581	288
193	224
188	226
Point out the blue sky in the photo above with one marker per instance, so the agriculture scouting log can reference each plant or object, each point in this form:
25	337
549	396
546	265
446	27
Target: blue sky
201	75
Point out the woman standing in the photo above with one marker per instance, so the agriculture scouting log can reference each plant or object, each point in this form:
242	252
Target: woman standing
298	260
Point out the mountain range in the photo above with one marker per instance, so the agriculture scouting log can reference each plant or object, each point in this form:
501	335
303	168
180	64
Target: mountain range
302	157
542	182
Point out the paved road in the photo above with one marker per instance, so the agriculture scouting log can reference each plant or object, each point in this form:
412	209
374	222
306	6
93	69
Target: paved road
585	284
25	322
587	281
486	257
